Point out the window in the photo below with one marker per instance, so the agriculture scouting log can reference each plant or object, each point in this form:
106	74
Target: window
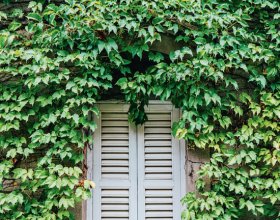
138	170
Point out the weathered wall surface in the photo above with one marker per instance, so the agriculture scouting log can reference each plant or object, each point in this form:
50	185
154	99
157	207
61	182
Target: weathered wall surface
194	159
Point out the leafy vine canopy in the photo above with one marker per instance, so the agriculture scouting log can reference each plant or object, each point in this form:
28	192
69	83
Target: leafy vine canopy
58	60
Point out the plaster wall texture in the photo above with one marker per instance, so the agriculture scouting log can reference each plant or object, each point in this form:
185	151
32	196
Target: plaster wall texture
194	159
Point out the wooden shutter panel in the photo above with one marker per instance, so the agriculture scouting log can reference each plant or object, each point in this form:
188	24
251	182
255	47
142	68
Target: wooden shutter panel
158	147
114	146
158	167
114	167
136	171
115	204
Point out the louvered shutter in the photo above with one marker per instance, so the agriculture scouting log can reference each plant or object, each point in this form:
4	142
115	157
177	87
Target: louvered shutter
158	166
114	166
137	171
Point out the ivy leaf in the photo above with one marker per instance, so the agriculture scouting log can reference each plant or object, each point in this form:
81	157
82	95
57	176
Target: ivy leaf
101	46
69	86
187	50
14	25
204	62
151	30
19	172
232	160
71	2
207	98
271	71
3	39
76	118
113	44
34	16
7	2
12	153
200	40
253	155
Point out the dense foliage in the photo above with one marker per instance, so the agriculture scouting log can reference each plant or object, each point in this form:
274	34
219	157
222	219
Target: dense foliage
58	64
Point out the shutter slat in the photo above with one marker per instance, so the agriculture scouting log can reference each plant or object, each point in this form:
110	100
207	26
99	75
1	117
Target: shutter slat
115	214
157	130
158	143
159	214
159	207
159	117
158	149
114	136
114	169
158	200
115	163
114	193
114	116
114	130
156	218
158	169
157	136
114	200
115	149
158	156
115	143
114	156
118	219
116	206
155	163
158	124
165	176
120	176
115	123
158	193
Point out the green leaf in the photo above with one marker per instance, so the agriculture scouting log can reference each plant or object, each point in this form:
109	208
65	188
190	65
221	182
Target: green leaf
35	16
151	30
3	39
187	50
113	44
32	4
200	40
71	2
101	46
232	160
7	2
271	71
204	62
253	155
14	25
76	118
12	153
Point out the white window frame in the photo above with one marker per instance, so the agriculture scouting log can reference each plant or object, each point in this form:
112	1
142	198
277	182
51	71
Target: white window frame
93	208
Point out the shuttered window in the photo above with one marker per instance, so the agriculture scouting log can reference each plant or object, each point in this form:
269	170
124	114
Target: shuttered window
137	170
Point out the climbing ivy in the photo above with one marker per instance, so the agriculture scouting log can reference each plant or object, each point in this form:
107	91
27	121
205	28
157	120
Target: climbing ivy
58	60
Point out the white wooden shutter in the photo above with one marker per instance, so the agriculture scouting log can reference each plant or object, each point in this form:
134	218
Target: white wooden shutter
137	172
158	166
114	166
